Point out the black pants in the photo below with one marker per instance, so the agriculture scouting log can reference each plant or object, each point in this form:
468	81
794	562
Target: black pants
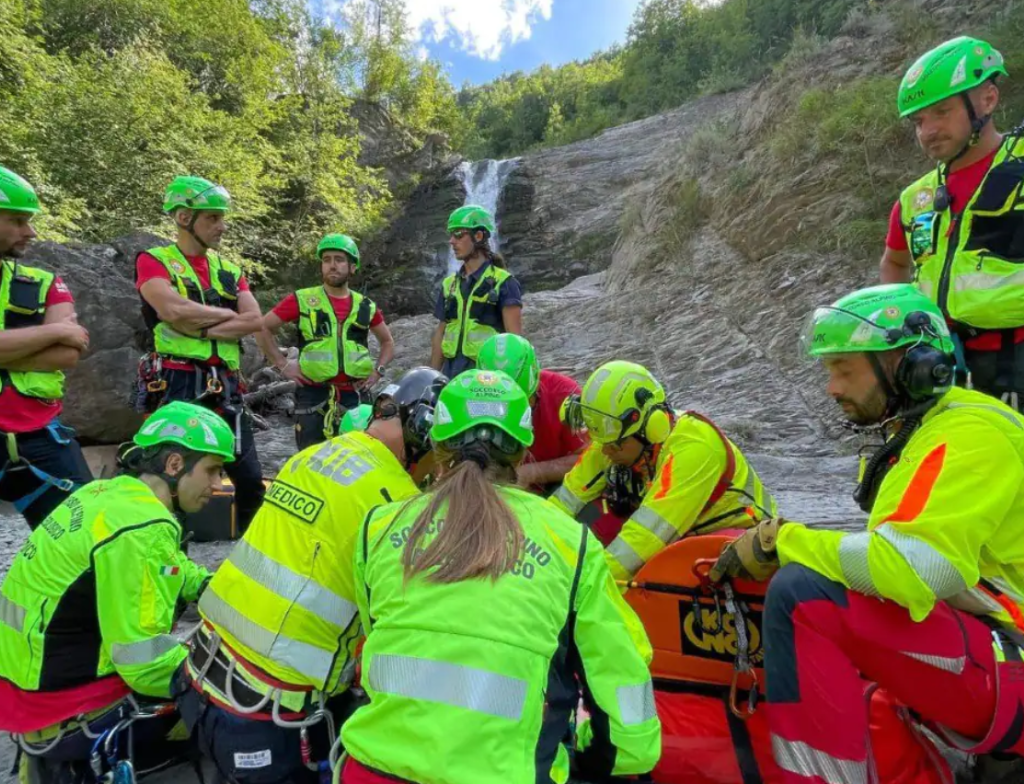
254	751
311	407
52	451
458	364
999	373
69	761
245	472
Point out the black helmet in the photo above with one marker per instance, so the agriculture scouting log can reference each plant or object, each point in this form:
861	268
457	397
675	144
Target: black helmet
413	400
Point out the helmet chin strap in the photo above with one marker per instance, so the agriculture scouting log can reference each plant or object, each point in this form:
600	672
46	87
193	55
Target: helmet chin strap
894	400
172	482
191	229
977	126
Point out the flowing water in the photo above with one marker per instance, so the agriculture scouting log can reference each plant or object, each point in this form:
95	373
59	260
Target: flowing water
484	181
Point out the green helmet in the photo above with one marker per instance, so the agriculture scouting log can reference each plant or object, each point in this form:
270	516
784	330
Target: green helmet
196	193
615	401
193	427
471	217
949	69
16	195
483	405
879	318
514	355
357	418
341	242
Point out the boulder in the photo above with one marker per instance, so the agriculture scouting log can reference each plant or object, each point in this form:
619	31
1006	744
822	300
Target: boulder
101	279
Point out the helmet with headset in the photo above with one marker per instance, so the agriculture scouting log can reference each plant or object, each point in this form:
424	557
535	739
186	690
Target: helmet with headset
620	399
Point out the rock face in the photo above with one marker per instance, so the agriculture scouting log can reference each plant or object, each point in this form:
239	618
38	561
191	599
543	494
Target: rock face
385	143
402	268
560	210
101	279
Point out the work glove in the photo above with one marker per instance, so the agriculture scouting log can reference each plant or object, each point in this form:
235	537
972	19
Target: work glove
751	556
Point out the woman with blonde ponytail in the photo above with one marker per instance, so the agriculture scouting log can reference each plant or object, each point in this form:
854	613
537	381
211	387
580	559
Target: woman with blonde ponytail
488	613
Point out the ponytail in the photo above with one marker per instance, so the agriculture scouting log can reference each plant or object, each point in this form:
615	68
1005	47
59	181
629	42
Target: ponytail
496	259
480	536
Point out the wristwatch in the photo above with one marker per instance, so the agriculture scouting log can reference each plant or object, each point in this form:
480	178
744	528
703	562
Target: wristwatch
380	370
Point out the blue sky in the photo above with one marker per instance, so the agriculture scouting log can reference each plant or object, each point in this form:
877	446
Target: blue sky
575	30
478	40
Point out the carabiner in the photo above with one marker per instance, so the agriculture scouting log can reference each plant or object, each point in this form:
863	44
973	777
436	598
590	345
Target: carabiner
752	696
698	619
701	569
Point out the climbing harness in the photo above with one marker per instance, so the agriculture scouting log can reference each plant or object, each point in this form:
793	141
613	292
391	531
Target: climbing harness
17	462
209	664
105	759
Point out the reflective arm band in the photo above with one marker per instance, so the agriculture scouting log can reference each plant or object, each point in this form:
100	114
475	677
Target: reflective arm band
636	703
568	500
928	564
624	561
12	614
143	651
654	523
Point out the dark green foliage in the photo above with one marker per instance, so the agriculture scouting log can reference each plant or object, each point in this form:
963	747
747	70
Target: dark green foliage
676	50
103	103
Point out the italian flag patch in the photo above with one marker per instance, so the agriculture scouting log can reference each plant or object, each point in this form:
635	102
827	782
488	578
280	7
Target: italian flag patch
169	571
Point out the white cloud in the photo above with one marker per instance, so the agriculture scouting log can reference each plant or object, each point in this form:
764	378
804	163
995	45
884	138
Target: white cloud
480	27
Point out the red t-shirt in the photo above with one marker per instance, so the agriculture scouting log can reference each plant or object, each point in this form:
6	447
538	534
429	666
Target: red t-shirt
552	438
148	267
20	414
961	185
288	311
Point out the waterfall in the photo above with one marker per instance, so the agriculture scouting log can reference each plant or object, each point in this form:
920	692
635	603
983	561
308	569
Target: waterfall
484	181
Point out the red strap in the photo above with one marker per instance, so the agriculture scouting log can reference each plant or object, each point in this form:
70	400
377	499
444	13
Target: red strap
725	480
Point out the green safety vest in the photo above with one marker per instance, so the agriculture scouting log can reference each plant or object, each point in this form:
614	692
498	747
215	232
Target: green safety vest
466	329
496	661
224	277
23	304
93	593
327	350
973	271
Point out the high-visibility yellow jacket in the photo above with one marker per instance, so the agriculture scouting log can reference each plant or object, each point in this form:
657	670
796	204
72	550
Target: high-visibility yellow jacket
284	598
947	521
700	482
474	682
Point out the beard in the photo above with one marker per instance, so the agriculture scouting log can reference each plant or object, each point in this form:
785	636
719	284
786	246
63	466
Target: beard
865	412
335	279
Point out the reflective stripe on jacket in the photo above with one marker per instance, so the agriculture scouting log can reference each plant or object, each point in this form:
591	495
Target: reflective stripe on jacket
690	490
947	521
284	598
93	592
482	673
